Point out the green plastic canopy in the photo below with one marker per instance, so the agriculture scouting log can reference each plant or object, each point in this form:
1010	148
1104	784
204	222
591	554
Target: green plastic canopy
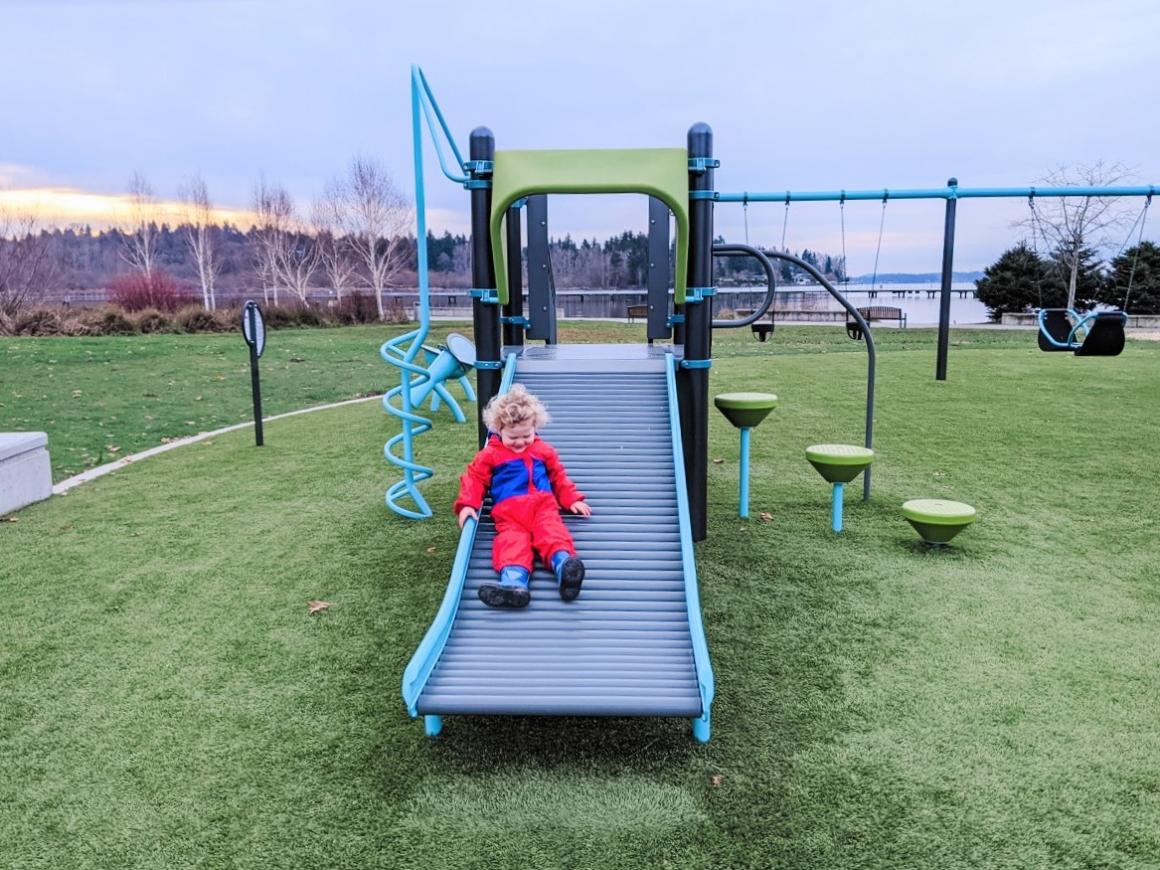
659	172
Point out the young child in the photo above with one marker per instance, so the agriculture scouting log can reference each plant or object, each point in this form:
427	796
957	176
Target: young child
528	486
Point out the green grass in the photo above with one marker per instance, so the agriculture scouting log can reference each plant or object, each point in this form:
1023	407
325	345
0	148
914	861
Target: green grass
168	702
102	398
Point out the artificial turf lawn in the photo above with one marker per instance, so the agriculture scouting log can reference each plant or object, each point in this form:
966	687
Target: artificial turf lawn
103	398
167	702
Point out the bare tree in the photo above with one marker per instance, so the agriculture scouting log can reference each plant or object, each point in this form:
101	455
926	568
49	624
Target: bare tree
373	217
198	230
298	260
1068	226
287	256
273	211
28	263
140	249
333	250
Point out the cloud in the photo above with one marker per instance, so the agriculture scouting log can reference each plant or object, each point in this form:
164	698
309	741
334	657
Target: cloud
65	206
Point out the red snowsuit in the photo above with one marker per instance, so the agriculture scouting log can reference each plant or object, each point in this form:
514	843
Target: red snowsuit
527	490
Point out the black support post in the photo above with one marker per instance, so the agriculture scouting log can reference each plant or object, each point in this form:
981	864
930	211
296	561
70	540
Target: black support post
658	270
541	292
944	307
484	315
693	385
513	312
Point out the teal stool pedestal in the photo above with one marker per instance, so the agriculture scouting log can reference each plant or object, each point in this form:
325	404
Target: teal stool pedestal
839	464
937	520
745	411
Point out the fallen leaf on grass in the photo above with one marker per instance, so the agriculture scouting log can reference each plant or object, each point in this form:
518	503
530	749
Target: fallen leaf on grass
766	517
430	551
718	461
715	780
7	519
316	606
112	449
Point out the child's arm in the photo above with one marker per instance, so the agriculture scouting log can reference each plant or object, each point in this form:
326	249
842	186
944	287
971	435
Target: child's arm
473	483
569	497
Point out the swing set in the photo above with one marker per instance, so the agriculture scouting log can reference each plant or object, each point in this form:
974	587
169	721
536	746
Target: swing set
1098	333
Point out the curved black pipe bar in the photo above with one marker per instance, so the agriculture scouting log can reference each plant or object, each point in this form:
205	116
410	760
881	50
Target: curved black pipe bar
861	321
739	250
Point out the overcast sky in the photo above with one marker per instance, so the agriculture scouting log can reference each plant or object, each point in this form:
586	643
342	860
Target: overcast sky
819	95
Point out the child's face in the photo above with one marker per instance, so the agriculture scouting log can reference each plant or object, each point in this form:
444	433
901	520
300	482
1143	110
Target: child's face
518	437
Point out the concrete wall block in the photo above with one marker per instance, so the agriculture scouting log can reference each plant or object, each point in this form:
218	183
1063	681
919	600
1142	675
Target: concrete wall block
25	470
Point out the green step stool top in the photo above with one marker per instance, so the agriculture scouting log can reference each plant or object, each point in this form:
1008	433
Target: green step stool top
938	520
839	463
745	410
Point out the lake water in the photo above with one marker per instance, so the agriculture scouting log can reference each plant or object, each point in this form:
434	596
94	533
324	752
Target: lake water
920	302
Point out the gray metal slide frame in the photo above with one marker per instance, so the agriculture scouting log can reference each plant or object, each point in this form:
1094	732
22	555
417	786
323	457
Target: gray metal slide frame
632	644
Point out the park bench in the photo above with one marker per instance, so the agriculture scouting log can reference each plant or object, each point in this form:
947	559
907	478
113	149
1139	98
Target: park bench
25	472
872	313
635	311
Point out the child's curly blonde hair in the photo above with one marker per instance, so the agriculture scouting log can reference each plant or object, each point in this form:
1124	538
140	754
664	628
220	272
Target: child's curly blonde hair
514	407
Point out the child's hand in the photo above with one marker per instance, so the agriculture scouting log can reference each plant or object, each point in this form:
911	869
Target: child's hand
582	508
466	512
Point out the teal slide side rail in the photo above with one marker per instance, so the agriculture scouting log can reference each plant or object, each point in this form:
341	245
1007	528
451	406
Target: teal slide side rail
705	680
431	647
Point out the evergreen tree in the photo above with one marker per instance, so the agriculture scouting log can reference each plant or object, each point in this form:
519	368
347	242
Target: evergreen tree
1089	279
1144	296
1016	282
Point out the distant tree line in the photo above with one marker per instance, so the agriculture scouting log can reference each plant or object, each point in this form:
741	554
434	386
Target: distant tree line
1021	280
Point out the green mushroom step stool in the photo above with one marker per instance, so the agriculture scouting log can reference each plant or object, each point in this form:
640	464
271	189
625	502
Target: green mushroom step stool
937	520
839	464
745	411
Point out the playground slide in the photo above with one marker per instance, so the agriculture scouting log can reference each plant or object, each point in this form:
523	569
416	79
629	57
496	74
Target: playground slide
632	644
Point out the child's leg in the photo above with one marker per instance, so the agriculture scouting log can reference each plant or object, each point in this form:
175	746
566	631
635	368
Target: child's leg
552	541
511	556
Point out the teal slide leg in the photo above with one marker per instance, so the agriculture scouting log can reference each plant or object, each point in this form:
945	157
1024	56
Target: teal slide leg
432	725
701	728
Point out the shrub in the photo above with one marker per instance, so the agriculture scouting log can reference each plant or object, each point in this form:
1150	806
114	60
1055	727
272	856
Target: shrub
107	320
150	320
75	326
194	318
38	321
7	324
308	316
135	291
280	316
394	311
356	308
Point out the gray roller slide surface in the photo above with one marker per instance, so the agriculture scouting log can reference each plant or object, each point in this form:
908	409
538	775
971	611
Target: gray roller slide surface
623	647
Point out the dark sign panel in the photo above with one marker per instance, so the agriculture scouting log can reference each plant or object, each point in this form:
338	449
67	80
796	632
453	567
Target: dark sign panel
254	327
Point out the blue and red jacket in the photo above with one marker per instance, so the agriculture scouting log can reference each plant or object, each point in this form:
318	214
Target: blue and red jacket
511	475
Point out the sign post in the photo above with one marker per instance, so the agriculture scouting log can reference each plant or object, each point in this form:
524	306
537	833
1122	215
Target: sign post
254	332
